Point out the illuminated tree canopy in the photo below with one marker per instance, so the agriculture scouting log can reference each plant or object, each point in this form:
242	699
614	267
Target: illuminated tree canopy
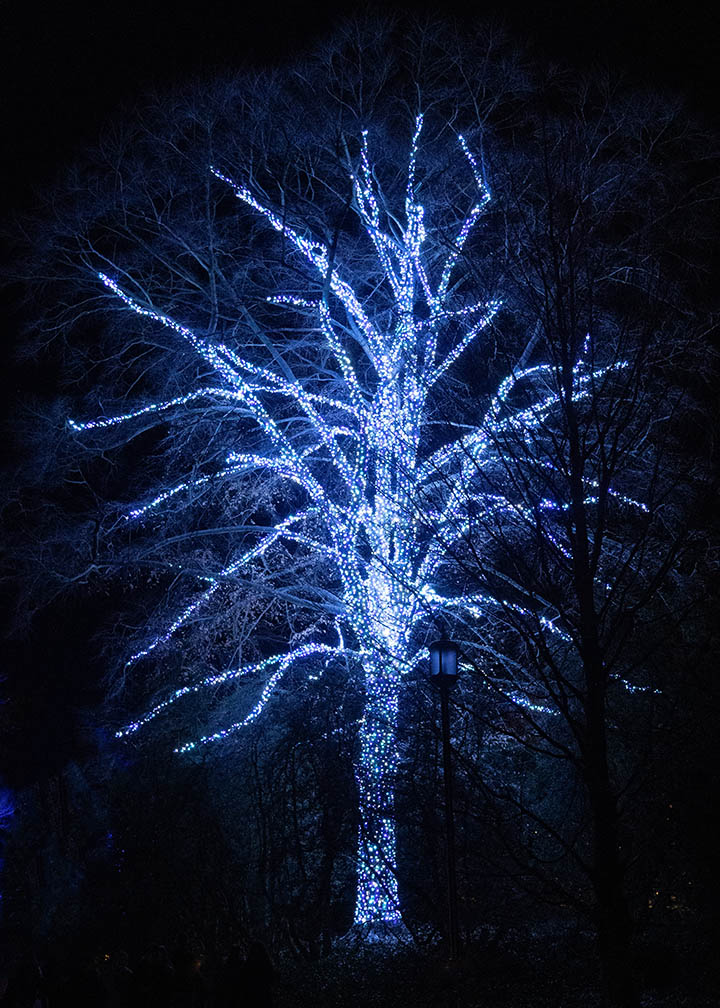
350	427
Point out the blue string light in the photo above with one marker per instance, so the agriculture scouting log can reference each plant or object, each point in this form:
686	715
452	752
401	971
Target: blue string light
357	456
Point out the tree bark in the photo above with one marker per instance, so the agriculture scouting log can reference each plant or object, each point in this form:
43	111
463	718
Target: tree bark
612	913
377	892
613	919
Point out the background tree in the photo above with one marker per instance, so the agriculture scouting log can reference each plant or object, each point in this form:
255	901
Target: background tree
601	529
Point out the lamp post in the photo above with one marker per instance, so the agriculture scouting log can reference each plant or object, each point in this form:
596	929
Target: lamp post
444	672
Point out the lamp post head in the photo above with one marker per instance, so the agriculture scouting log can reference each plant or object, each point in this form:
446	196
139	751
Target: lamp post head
444	662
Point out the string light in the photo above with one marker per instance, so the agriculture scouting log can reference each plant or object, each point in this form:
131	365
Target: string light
357	456
283	661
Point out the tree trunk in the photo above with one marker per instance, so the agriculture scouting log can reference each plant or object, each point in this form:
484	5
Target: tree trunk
614	925
612	913
611	909
377	894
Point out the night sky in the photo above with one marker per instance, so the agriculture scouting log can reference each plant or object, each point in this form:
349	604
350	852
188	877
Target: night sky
69	67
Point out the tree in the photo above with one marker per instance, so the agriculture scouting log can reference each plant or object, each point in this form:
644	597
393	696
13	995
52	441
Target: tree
305	369
355	449
601	490
348	434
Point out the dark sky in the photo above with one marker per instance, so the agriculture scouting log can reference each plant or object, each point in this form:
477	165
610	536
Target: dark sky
69	66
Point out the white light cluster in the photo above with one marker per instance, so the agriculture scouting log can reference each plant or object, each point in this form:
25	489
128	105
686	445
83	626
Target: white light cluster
479	603
531	705
282	661
357	456
635	687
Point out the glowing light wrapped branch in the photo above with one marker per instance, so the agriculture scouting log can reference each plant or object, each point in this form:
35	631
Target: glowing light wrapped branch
357	457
